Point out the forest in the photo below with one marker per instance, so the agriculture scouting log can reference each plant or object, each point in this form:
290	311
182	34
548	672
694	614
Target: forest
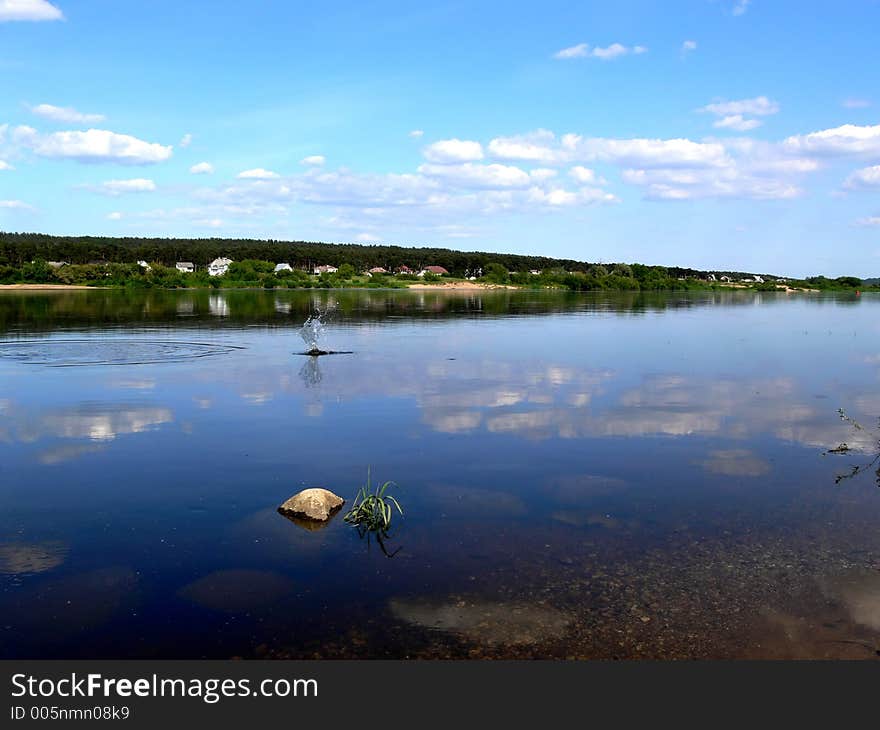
92	260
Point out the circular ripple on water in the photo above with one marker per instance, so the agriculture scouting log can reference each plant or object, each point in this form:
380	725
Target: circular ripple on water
73	353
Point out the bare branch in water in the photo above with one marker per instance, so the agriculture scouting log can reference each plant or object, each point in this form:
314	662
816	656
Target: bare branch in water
857	469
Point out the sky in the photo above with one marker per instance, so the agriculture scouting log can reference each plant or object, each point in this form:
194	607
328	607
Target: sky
716	134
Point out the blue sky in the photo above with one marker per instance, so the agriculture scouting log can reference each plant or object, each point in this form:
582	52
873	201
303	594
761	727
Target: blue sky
719	134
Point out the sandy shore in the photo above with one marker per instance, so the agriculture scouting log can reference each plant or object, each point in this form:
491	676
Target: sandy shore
460	286
45	287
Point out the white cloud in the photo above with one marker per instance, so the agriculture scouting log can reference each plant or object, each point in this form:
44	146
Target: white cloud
585	175
866	178
855	103
367	238
258	173
16	205
533	147
540	174
740	7
313	160
557	197
732	113
872	221
186	140
115	188
543	146
447	151
470	175
65	114
202	168
93	146
119	187
28	10
696	184
583	50
758	106
115	216
416	133
737	122
612	51
688	47
5	166
849	139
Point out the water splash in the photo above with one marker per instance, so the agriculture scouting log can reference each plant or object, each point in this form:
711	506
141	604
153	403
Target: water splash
312	331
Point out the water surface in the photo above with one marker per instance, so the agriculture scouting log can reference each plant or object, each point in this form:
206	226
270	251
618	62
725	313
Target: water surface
588	475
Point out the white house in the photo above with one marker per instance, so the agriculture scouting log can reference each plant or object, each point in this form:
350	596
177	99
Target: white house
725	278
283	267
326	269
218	267
186	267
711	277
145	266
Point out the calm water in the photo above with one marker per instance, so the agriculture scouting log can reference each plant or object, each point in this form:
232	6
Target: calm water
582	475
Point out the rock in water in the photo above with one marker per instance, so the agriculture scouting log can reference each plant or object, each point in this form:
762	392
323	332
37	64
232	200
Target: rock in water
314	504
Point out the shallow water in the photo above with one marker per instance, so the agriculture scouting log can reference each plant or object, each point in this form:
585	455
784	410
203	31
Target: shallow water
582	475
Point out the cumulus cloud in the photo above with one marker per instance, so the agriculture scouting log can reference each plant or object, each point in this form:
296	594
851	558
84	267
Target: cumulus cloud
258	173
470	175
65	114
5	166
544	146
417	133
202	168
186	140
737	122
92	146
313	160
864	179
608	53
119	187
540	174
584	175
688	47
447	151
36	10
758	106
849	139
733	114
740	7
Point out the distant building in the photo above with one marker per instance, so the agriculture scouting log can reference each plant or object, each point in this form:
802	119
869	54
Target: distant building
144	265
326	269
711	277
283	267
437	270
218	267
186	267
725	278
403	270
377	270
535	272
57	264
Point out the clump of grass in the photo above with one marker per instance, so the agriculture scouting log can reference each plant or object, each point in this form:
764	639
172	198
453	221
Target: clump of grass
371	509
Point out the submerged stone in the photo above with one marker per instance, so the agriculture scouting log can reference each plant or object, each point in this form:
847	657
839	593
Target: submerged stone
313	504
